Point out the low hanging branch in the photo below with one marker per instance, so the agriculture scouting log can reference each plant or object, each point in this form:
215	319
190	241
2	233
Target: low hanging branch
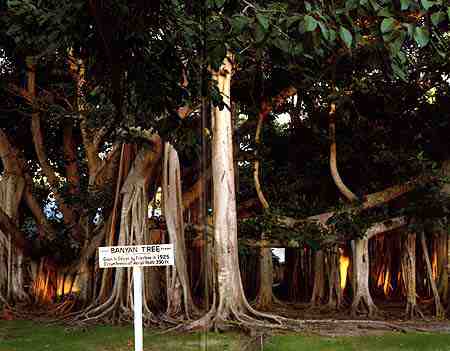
370	201
388	225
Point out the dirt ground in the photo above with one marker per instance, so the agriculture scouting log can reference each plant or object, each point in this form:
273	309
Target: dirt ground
324	322
390	317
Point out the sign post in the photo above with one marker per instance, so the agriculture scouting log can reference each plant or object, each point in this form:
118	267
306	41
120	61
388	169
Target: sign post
137	298
137	257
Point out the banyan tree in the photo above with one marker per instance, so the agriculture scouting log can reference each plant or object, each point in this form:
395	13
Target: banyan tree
128	123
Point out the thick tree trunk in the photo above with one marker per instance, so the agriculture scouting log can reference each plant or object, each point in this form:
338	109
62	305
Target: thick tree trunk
12	282
264	298
360	265
318	293
440	239
231	299
335	290
114	302
179	295
231	302
408	262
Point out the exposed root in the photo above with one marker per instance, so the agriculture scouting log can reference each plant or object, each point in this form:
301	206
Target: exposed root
413	311
363	305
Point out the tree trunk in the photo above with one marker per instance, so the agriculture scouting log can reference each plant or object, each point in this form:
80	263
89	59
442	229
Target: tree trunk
12	282
408	262
439	310
442	261
264	299
114	302
231	299
360	265
318	293
231	302
179	295
335	294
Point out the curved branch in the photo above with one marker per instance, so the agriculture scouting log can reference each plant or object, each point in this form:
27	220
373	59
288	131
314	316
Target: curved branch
13	164
69	216
370	201
259	191
266	108
349	195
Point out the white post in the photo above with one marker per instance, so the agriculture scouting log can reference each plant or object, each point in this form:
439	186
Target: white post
137	292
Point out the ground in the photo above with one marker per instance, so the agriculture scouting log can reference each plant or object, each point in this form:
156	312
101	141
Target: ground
33	336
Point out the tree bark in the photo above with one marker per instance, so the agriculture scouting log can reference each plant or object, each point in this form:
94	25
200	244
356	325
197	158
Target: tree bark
335	291
318	293
438	308
179	296
362	297
231	302
264	297
408	262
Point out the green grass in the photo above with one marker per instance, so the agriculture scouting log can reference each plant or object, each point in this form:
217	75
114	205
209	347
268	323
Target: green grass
31	336
386	342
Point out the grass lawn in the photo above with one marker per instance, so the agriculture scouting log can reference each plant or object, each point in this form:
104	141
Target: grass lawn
386	342
30	336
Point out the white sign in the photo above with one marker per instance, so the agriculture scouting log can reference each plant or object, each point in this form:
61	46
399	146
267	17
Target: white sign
139	255
136	257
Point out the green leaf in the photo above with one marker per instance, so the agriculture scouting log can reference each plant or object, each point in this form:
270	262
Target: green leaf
282	44
263	21
238	23
427	4
332	35
259	34
384	13
310	23
421	36
437	17
324	30
375	5
219	3
396	45
405	4
346	36
387	25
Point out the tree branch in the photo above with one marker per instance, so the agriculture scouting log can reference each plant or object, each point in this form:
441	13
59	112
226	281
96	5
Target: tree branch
375	229
349	195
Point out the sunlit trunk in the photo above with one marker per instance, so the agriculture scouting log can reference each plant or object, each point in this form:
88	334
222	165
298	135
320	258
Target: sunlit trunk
362	299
